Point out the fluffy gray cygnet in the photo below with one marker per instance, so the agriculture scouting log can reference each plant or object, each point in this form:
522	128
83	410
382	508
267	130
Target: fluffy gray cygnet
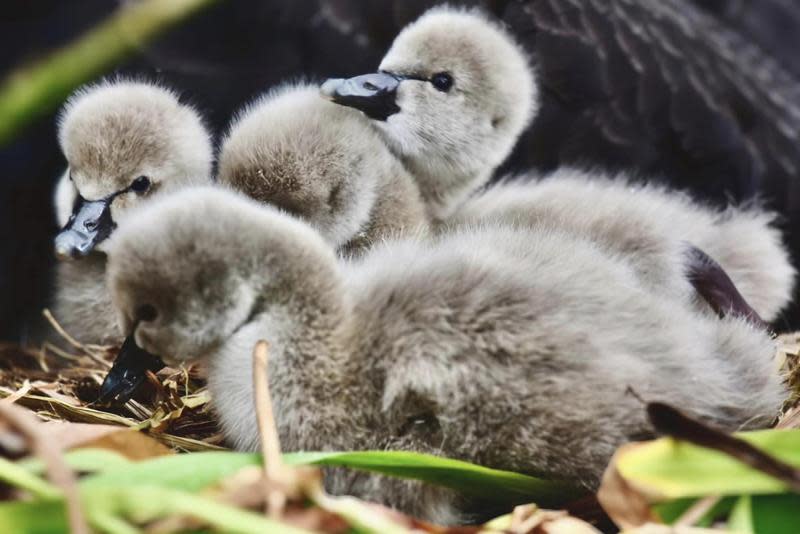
453	131
323	163
453	94
512	347
125	142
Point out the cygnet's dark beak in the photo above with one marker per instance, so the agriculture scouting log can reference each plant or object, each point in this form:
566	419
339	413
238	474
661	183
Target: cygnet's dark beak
88	226
374	94
128	372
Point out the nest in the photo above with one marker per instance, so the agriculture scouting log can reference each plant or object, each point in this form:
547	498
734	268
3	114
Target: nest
61	382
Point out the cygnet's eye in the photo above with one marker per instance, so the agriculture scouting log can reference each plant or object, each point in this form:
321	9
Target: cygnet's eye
146	313
424	425
140	185
442	81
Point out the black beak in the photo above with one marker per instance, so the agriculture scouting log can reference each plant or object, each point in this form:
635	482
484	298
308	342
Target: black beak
374	94
128	372
89	225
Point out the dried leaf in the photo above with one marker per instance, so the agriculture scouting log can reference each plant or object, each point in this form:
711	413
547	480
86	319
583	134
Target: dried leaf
626	505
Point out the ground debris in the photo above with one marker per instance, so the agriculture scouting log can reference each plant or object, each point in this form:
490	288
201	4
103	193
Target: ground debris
788	358
62	384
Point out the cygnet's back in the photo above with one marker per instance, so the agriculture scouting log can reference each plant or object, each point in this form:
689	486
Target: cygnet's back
323	163
651	228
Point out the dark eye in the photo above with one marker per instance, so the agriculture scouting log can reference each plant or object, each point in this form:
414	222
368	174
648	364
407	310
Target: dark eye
141	184
425	425
442	81
146	313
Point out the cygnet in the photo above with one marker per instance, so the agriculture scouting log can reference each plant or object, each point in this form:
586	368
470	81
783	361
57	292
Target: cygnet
513	347
125	142
451	97
445	78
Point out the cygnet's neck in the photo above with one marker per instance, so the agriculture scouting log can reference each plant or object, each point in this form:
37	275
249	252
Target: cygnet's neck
305	322
444	186
398	210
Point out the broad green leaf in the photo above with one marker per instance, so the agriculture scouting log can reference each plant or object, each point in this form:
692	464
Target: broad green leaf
189	472
463	476
195	471
667	469
37	517
89	460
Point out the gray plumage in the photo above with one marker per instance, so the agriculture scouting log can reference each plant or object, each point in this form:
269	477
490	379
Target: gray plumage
650	228
323	163
452	141
513	347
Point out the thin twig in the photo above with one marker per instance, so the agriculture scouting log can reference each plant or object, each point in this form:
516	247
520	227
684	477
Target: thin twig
61	353
270	444
71	340
57	470
18	394
63	333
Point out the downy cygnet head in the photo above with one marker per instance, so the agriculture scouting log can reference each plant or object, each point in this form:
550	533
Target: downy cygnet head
451	97
123	141
211	271
323	163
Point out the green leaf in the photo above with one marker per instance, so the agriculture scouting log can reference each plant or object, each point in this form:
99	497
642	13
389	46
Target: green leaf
189	472
741	518
766	514
462	476
89	460
37	517
666	469
192	472
18	477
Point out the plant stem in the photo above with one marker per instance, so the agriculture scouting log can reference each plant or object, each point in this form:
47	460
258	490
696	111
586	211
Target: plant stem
36	90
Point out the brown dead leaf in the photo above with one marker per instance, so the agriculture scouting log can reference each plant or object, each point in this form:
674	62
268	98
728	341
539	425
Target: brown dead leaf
626	506
23	390
52	390
130	443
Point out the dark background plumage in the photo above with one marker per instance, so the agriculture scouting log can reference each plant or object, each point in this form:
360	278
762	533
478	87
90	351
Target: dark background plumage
700	95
